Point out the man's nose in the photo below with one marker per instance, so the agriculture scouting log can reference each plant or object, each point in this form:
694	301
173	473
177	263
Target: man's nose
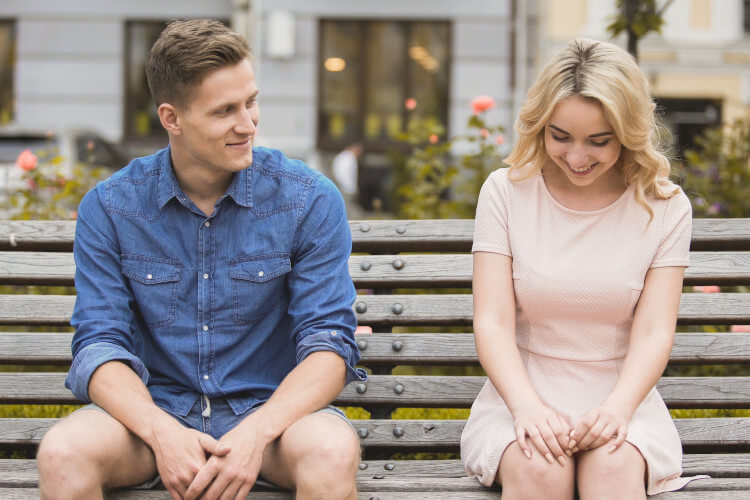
245	124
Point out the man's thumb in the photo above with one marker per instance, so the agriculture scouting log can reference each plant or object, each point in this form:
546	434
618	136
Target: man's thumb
213	446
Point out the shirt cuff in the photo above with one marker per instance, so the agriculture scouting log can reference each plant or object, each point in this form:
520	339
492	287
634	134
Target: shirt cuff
334	341
91	357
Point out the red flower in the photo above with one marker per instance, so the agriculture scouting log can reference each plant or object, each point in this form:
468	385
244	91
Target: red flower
499	139
707	289
410	103
484	133
434	138
482	103
740	329
27	160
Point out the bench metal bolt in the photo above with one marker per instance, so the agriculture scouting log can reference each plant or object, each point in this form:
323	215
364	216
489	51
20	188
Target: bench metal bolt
361	388
365	266
397	308
362	344
398	389
398	431
363	433
361	307
400	229
397	345
362	466
398	264
389	466
364	227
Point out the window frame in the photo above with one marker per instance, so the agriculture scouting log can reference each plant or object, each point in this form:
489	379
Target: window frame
13	22
374	145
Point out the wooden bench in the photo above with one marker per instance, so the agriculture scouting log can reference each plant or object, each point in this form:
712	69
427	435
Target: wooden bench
391	260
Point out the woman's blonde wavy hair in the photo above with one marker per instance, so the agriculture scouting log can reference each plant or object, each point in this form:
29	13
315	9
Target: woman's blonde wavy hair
606	73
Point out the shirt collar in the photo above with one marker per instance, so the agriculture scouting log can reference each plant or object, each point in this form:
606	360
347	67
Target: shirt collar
239	190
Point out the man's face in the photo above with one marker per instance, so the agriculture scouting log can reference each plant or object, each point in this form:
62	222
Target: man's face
220	121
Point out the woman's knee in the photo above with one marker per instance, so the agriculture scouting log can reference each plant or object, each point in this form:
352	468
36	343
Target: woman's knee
622	470
520	474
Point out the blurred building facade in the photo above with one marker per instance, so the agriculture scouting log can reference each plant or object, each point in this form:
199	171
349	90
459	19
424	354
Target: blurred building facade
336	72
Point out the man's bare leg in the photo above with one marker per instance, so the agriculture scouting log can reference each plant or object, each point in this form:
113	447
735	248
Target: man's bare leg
317	456
90	451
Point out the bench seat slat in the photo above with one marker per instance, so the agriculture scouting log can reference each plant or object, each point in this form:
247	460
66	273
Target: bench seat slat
23	473
378	271
379	235
716	434
416	348
414	391
381	310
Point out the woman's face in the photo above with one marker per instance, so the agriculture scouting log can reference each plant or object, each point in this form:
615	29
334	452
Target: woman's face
580	141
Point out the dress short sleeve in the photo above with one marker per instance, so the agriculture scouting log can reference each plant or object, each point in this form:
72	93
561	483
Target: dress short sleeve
491	222
674	246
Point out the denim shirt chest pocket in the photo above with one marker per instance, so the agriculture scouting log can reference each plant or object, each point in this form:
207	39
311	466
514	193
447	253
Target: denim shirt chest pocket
154	284
258	283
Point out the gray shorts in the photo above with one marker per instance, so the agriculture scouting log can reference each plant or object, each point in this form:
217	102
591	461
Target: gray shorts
215	417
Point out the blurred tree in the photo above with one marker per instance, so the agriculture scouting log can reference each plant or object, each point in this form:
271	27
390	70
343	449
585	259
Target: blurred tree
637	18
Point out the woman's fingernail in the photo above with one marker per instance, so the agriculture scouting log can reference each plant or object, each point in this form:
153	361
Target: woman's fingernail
549	458
575	450
572	432
572	444
612	448
569	453
527	453
561	460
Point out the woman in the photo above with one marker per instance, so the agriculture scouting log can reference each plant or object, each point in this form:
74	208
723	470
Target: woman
579	253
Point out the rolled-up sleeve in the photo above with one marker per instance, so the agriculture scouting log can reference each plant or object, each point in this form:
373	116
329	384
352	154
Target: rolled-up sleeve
103	315
321	289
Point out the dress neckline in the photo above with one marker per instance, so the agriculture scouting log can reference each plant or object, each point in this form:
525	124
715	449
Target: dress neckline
562	207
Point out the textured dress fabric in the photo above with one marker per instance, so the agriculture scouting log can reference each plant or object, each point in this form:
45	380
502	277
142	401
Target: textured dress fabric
577	277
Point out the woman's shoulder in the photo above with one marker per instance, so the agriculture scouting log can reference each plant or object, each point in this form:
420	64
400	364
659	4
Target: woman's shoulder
509	180
676	201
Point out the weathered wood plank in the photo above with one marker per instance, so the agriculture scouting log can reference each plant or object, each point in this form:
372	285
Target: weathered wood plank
24	474
697	434
378	271
412	391
378	235
413	348
487	494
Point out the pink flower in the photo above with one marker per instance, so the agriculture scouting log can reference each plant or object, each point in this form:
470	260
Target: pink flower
482	103
31	184
27	160
410	103
740	329
484	133
499	139
74	214
434	138
707	289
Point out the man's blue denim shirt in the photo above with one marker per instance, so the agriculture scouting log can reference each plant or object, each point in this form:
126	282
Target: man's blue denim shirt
224	306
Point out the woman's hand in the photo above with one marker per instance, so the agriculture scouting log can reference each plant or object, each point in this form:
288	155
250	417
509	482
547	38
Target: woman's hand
545	428
599	426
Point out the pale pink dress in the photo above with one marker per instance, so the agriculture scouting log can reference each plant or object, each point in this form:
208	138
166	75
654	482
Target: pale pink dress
577	277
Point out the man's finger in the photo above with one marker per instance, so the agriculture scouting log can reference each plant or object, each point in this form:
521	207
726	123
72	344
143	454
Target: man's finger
201	480
213	446
242	493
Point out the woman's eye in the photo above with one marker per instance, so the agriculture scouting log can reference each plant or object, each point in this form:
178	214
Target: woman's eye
561	139
600	144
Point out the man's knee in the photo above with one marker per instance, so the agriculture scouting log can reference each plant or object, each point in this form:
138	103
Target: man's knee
65	469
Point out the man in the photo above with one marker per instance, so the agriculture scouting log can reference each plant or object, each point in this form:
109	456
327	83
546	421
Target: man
213	319
345	170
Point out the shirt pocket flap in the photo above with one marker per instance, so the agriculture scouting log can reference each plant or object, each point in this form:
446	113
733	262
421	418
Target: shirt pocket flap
149	273
260	270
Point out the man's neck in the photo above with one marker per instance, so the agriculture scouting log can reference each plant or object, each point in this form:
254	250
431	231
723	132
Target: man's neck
204	186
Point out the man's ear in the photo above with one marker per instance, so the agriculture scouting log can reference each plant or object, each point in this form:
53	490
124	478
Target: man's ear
169	118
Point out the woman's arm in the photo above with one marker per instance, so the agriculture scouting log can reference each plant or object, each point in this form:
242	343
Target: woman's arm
651	338
495	334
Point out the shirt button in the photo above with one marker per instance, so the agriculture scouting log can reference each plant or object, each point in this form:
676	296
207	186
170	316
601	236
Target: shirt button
333	333
261	273
149	276
205	276
205	377
205	328
206	223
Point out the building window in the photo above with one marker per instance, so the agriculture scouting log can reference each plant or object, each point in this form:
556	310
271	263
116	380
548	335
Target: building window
141	120
688	119
7	64
368	70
